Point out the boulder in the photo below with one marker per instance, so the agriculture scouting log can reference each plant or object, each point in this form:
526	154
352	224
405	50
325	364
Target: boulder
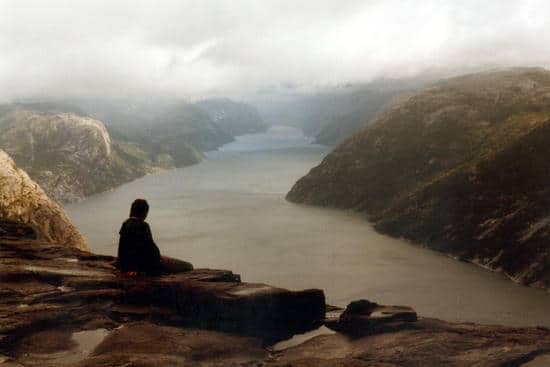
364	317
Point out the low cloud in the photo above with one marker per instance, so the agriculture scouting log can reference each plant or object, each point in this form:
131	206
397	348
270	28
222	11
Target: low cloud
194	49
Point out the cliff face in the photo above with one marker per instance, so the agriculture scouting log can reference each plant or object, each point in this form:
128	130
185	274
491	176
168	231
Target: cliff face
69	155
69	151
460	167
23	201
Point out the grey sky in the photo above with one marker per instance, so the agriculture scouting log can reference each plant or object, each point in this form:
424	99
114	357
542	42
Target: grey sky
200	48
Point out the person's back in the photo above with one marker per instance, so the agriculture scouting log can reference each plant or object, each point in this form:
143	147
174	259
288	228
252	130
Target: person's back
137	251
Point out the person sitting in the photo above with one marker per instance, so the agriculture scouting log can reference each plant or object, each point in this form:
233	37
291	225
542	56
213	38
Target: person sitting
137	252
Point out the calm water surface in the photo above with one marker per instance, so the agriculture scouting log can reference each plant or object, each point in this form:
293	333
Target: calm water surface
229	212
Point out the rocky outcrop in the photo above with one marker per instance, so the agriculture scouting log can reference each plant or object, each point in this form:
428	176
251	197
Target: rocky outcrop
363	317
459	167
42	282
23	201
63	306
69	155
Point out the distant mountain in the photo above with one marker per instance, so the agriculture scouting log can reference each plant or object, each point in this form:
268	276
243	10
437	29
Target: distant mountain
332	114
23	201
236	118
161	126
70	156
78	148
190	124
461	167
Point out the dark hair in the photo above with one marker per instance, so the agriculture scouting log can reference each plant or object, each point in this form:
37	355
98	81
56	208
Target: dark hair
139	208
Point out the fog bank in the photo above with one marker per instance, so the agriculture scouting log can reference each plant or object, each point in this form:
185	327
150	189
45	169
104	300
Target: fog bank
197	49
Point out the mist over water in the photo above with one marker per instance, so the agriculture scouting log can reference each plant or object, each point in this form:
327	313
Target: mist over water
229	212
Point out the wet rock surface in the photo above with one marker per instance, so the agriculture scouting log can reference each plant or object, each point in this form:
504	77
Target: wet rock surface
61	306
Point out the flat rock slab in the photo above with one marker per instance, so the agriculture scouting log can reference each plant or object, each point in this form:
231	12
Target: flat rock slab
427	342
43	284
146	344
247	308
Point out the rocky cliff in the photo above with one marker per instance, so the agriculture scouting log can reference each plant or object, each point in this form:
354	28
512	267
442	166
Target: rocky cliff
460	167
71	156
23	201
75	149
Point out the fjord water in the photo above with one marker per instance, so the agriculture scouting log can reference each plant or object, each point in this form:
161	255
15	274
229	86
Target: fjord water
229	212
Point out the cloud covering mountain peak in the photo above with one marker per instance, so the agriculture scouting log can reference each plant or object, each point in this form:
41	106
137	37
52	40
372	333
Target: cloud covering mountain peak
202	48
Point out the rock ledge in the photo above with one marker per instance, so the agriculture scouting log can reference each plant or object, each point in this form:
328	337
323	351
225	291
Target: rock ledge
64	306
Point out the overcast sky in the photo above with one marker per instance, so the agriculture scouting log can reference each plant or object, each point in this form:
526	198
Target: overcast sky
200	48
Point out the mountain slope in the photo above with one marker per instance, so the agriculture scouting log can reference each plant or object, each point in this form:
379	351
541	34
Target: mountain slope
460	167
159	126
23	201
189	124
332	114
234	117
368	106
69	155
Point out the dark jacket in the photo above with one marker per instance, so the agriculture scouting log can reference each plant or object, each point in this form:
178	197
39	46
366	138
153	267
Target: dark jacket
136	249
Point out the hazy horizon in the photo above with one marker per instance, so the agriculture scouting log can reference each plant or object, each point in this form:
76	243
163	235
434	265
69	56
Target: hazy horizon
200	49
